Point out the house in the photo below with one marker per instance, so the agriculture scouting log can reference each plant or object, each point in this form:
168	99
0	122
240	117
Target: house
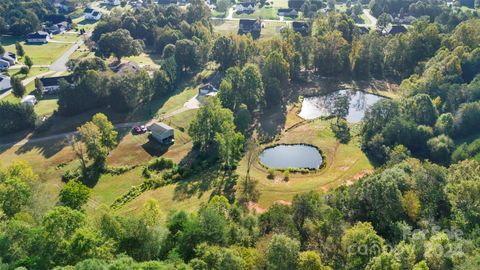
301	27
393	29
30	100
52	85
57	28
254	27
167	2
92	14
162	133
11	58
5	83
4	64
246	7
38	37
126	67
112	2
289	12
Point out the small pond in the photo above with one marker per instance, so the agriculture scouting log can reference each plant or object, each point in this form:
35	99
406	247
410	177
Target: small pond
325	105
292	156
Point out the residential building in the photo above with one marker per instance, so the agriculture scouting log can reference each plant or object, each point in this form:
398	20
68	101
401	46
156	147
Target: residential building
162	133
126	67
30	100
394	29
51	85
38	37
112	2
246	7
289	12
57	28
92	14
5	83
246	26
4	64
301	27
11	58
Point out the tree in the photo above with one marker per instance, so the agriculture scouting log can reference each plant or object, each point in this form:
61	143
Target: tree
282	253
15	117
383	20
276	67
19	49
223	51
161	83
119	43
39	87
252	88
223	5
28	61
243	118
341	130
209	124
444	124
441	148
331	54
99	137
18	89
186	54
249	189
129	90
74	195
360	244
384	261
310	260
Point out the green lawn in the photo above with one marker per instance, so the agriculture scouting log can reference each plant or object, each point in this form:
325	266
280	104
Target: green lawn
225	27
219	14
41	54
272	28
269	13
66	37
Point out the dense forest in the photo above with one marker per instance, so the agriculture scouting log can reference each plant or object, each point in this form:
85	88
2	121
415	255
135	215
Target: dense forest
418	210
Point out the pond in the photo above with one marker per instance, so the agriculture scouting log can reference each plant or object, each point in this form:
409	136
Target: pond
296	156
355	101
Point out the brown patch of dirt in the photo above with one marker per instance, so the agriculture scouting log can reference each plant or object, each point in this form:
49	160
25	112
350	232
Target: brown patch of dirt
255	207
358	176
283	202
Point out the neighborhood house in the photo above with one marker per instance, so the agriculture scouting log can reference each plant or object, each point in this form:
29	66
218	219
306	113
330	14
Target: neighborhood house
246	26
38	37
92	14
57	28
11	58
246	7
289	12
393	29
30	100
52	85
4	83
162	133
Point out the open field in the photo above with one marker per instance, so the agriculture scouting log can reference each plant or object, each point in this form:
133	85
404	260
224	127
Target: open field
269	13
41	54
226	27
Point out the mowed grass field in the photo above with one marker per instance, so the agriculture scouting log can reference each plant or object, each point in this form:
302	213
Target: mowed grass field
225	27
41	54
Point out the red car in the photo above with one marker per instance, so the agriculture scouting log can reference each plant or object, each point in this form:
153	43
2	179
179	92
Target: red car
139	129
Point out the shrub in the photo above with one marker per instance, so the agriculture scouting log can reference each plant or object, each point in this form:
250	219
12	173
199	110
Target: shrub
341	130
271	173
286	175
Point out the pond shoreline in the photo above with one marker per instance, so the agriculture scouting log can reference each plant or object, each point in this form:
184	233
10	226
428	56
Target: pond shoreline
294	169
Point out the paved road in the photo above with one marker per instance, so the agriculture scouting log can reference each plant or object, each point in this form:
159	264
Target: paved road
60	64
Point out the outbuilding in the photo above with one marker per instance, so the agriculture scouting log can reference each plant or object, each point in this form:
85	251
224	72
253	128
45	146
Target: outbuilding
162	132
30	100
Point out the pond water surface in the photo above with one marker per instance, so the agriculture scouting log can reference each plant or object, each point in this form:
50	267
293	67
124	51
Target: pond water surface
355	101
292	156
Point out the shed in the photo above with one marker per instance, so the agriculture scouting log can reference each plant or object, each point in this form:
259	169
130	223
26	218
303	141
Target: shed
162	133
30	100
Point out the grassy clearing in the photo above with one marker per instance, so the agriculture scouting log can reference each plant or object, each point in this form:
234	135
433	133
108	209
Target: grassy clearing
344	163
41	54
272	28
66	37
225	27
269	13
280	3
219	14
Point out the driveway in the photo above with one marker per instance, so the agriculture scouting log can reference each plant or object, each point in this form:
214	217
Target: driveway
372	19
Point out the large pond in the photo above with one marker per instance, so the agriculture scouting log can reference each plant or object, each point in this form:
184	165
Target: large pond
355	101
292	156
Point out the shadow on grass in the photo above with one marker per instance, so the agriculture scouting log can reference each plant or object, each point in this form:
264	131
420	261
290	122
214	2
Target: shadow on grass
271	122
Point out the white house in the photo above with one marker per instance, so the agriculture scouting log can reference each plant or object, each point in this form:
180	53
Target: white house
162	133
4	64
11	58
92	14
30	100
245	7
4	83
38	37
112	2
